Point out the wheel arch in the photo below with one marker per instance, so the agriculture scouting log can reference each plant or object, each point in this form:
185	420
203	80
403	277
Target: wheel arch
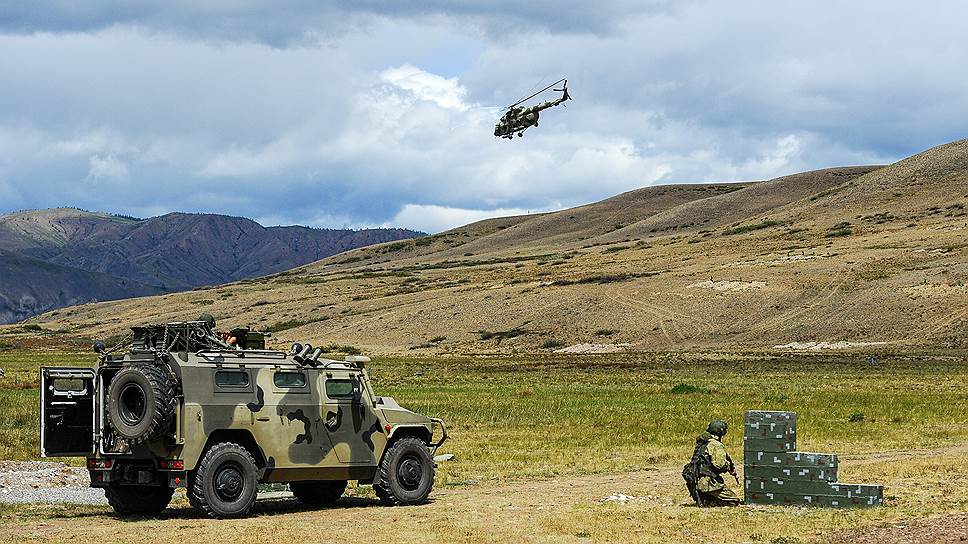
413	431
241	437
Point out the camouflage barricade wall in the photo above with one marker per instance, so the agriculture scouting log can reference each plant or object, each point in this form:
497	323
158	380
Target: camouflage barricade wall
775	473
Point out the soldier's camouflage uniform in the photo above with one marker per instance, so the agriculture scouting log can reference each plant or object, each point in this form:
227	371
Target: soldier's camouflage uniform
711	484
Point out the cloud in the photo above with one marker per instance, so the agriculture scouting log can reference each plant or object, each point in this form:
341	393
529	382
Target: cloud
432	218
445	92
375	113
106	167
299	22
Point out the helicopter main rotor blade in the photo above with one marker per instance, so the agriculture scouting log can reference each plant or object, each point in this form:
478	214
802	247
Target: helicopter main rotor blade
537	93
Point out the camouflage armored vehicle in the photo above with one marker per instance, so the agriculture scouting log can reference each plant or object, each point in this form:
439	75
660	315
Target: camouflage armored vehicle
184	407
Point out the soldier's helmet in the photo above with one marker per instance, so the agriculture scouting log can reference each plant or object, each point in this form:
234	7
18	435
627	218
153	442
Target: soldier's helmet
717	427
209	320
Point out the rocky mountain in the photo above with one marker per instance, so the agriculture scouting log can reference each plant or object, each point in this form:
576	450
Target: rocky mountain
61	257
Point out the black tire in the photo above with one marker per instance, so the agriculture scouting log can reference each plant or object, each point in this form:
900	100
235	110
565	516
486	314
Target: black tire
141	403
138	500
225	483
406	473
318	493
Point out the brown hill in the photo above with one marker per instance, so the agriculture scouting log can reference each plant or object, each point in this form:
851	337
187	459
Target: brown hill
861	258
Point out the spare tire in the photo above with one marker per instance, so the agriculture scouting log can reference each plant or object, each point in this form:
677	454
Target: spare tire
141	403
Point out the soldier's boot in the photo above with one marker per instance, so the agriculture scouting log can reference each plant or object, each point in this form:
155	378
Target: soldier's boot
721	497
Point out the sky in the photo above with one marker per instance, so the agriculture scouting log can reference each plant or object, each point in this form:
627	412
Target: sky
366	113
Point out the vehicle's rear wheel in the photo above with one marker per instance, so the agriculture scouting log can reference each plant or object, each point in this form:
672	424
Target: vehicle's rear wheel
141	402
225	484
318	493
138	500
406	473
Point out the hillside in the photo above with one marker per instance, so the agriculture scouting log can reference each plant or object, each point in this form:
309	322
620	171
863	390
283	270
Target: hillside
92	256
863	258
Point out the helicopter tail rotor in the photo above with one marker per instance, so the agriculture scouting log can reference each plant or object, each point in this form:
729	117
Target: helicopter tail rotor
564	89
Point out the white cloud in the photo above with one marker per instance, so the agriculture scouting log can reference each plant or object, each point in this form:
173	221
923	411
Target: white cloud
106	167
432	218
445	92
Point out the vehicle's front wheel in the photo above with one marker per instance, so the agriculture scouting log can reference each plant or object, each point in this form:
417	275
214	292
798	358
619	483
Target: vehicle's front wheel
319	493
406	473
226	482
138	500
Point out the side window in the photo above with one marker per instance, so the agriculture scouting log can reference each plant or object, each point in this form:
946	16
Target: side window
233	381
342	389
68	385
289	379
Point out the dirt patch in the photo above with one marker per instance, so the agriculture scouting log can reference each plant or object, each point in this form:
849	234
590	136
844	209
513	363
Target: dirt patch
729	285
777	261
946	528
821	346
594	348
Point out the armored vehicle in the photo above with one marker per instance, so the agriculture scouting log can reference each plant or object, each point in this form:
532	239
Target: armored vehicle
184	406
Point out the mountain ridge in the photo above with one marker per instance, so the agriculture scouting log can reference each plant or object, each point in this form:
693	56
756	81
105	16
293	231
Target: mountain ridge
123	257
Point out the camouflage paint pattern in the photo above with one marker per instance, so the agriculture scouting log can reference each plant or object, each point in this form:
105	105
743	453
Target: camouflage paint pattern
301	432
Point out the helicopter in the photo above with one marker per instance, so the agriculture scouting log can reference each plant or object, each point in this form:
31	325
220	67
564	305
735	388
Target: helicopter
519	118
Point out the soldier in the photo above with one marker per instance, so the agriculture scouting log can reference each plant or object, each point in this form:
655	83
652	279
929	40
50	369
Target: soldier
704	472
226	337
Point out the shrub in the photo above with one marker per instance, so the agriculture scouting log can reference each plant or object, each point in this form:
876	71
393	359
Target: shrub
740	229
605	332
856	417
501	335
552	344
685	389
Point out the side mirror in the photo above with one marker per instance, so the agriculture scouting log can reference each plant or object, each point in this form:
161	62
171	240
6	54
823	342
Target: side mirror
99	347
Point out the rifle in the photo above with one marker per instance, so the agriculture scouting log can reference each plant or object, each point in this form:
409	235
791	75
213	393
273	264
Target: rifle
732	469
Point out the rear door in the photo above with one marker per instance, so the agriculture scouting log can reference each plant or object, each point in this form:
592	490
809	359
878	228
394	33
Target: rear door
67	403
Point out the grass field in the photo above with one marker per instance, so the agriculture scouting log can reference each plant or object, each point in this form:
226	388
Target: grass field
527	421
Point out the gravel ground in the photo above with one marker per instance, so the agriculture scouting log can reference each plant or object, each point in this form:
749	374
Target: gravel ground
46	483
39	482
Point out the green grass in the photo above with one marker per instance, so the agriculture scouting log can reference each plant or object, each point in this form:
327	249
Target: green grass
20	397
551	415
546	415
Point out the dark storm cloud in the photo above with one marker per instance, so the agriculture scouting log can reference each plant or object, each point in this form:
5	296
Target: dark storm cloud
287	22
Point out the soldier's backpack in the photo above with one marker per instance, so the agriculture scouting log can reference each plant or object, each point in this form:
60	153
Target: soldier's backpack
696	467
